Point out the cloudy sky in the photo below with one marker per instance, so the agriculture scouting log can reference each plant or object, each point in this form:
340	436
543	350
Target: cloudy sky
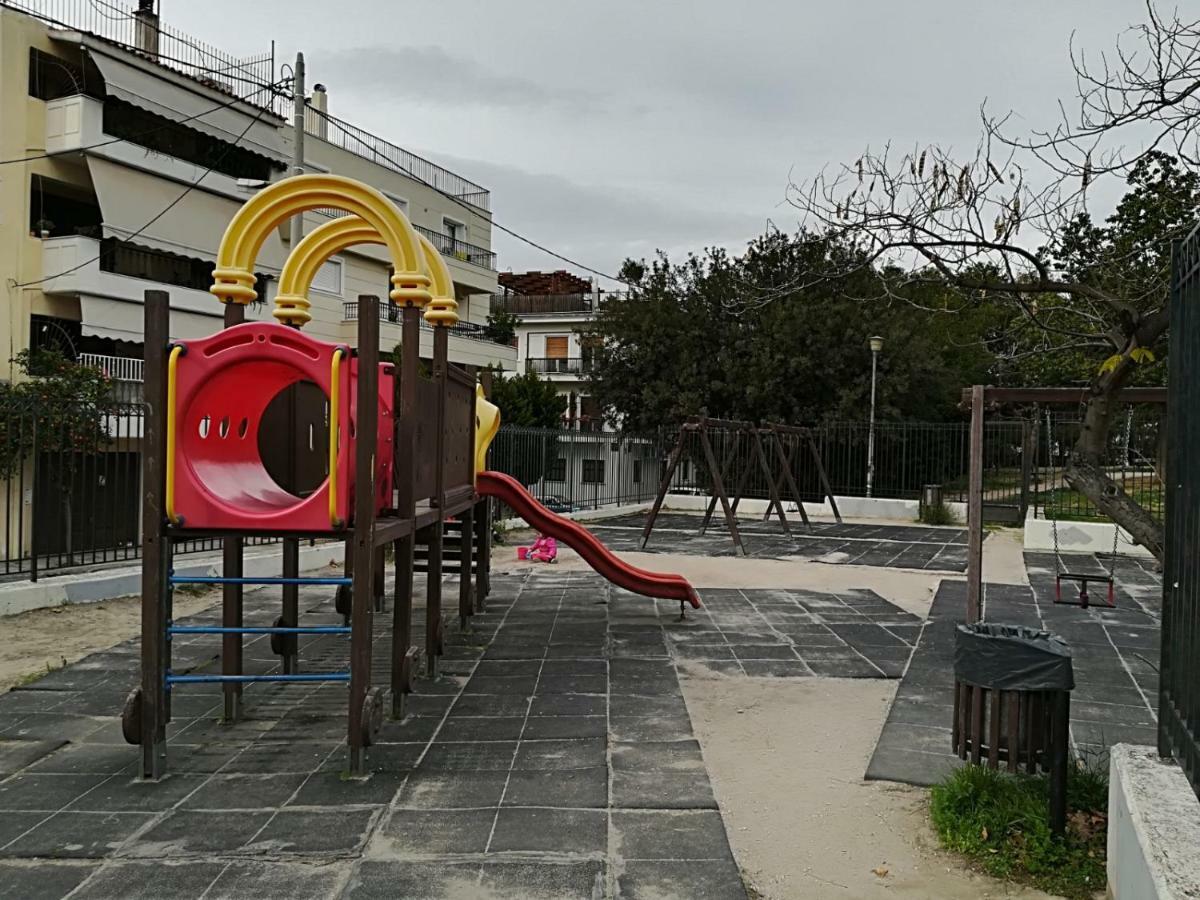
611	129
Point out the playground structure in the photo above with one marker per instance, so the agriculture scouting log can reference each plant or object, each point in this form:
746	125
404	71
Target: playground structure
391	456
743	450
980	400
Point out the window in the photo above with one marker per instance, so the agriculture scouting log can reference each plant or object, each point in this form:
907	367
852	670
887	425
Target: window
456	231
399	201
556	348
637	471
557	470
328	279
593	471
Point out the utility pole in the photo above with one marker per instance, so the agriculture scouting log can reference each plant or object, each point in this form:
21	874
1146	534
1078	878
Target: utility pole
291	546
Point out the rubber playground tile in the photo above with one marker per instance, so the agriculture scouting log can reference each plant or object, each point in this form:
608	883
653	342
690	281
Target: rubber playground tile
78	835
543	881
268	879
560	755
304	831
686	834
572	789
426	789
251	792
392	879
151	881
37	791
540	728
46	880
426	832
573	831
694	879
128	793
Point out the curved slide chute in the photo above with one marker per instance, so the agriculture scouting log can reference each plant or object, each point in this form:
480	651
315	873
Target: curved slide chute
595	554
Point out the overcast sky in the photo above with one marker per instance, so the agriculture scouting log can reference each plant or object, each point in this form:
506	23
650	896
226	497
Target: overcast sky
611	129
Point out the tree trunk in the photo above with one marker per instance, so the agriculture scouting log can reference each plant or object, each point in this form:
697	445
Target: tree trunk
1085	468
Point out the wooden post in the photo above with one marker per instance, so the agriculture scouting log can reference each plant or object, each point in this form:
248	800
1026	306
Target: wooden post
975	510
775	500
785	460
483	547
730	455
665	484
231	594
825	485
155	541
363	589
719	487
405	402
433	601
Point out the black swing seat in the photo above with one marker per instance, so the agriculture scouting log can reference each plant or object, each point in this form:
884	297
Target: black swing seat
1083	580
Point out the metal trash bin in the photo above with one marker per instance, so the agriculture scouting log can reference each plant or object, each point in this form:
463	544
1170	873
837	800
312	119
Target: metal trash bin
1012	703
931	498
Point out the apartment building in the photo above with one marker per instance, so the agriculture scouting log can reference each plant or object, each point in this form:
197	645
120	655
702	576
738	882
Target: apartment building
116	133
553	310
127	149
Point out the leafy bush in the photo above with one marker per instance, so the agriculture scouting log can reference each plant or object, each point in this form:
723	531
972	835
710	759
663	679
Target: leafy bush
501	327
1001	823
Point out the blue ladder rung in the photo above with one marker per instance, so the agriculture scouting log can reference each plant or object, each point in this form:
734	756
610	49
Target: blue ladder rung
242	679
218	579
258	629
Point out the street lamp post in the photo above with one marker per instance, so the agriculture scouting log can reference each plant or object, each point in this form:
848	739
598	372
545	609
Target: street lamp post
876	344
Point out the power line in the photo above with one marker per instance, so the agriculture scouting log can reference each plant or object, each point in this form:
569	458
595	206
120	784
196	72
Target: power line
149	131
162	213
520	237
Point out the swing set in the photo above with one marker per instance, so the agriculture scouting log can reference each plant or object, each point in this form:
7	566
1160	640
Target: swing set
980	399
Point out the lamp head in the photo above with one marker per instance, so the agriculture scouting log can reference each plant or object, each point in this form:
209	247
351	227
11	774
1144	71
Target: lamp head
876	343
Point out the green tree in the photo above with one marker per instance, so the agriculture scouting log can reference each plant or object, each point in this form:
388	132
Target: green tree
531	412
746	337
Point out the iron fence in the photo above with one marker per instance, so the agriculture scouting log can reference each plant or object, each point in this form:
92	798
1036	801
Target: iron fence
564	365
1133	457
70	478
460	250
1179	688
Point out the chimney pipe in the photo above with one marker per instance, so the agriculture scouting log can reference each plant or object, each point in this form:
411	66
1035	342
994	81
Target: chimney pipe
316	124
145	29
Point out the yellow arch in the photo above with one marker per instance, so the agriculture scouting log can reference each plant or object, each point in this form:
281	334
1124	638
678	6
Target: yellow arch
443	309
234	278
303	263
487	423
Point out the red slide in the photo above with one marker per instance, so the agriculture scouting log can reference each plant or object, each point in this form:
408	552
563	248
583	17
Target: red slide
583	542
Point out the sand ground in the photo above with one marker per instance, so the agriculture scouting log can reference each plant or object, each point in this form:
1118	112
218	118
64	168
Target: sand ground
35	642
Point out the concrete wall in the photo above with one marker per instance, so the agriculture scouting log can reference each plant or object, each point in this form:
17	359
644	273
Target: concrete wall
1079	537
1153	828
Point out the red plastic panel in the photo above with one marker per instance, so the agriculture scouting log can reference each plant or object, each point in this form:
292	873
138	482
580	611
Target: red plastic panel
224	384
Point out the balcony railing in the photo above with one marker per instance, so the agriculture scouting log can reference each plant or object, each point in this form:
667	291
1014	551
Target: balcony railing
544	304
118	368
388	312
567	365
384	153
459	250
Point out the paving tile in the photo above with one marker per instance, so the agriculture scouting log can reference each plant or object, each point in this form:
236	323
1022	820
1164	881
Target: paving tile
692	879
278	880
126	793
559	755
244	792
46	792
305	831
427	789
685	834
421	832
569	705
151	881
45	880
570	788
544	881
190	832
550	831
77	835
393	879
549	727
331	787
491	756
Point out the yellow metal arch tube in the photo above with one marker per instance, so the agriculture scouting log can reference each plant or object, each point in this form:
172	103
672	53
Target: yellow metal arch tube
172	427
233	276
335	371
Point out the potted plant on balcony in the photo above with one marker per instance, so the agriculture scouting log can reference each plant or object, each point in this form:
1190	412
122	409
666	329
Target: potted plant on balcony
43	228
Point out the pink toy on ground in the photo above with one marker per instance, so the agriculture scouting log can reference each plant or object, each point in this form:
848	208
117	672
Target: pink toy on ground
544	549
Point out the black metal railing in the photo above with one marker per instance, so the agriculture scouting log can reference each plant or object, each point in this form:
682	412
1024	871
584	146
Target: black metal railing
249	77
566	365
1179	688
70	479
460	250
389	312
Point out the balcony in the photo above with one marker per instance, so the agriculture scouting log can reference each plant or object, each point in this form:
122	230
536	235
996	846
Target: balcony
126	374
566	305
566	365
460	250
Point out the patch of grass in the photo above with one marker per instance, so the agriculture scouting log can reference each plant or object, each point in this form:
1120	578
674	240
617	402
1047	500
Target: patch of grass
31	677
937	515
1001	823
